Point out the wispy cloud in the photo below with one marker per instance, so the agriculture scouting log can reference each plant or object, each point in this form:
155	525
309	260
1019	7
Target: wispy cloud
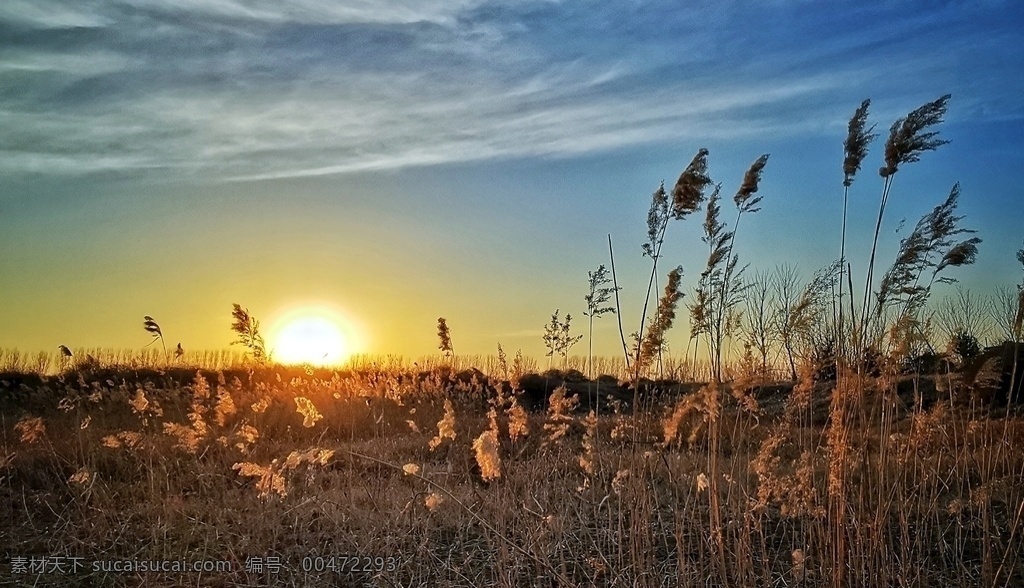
271	89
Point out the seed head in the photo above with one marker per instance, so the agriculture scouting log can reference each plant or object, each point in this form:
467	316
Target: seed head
857	140
906	137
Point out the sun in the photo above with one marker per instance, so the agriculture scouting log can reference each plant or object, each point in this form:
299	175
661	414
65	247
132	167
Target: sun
313	335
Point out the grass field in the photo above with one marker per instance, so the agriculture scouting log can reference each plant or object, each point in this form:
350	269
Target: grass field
441	478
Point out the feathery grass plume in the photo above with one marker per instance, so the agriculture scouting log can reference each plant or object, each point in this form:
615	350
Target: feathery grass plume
700	309
933	235
597	300
708	312
268	479
657	221
503	362
751	179
444	336
65	358
654	340
81	477
857	140
906	143
702	482
123	439
139	402
747	376
305	407
799	570
246	436
688	192
225	406
445	426
856	149
433	501
261	405
687	196
560	407
715	235
486	449
699	316
314	456
724	317
271	477
586	459
190	438
670	426
151	327
248	330
619	481
30	429
906	137
411	469
518	423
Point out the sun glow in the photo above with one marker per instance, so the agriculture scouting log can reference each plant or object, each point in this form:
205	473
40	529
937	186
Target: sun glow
313	335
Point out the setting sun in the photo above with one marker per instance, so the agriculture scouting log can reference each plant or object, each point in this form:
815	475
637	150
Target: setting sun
311	335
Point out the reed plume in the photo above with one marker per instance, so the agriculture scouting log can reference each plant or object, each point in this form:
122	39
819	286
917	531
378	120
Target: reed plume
857	140
907	139
153	329
444	336
688	192
932	236
745	202
687	197
445	426
654	341
248	330
486	449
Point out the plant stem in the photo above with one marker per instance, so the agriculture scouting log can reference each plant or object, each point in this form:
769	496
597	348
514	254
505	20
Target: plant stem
871	262
618	307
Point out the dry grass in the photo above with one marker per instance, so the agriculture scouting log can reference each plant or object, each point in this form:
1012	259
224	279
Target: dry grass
736	487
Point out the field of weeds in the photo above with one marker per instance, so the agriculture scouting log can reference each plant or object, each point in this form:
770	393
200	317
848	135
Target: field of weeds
443	478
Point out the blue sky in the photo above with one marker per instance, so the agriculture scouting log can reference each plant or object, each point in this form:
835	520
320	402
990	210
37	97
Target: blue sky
407	160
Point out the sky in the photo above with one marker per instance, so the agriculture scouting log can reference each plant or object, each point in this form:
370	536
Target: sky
399	161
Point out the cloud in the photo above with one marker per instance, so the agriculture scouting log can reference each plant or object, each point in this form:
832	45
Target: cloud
269	89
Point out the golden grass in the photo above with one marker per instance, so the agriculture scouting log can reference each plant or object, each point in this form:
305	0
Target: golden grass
705	489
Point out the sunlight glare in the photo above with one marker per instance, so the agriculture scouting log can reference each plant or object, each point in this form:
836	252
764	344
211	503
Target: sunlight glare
311	336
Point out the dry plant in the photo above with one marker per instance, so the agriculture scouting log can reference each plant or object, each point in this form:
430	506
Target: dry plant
653	344
151	327
558	337
858	138
597	299
559	418
687	198
445	426
248	330
907	141
444	336
486	448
